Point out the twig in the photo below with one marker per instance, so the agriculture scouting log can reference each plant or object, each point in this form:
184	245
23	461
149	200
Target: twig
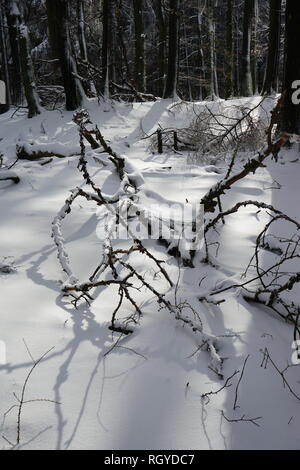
22	400
281	373
226	385
235	406
243	419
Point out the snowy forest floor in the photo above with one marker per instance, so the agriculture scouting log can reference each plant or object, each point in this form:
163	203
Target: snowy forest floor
146	392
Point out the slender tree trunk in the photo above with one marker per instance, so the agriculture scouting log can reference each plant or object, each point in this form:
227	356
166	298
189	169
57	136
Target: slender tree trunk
201	64
246	76
140	63
237	68
272	71
229	53
58	18
22	64
4	75
13	23
88	85
290	117
113	57
173	39
187	62
105	49
81	30
162	35
120	33
254	49
27	73
214	91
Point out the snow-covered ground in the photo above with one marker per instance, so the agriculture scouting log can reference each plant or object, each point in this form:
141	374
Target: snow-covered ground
145	393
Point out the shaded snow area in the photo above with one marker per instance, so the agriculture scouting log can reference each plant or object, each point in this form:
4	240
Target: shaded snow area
144	390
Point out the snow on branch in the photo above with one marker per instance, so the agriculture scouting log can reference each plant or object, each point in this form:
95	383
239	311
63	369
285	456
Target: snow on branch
116	267
8	175
210	200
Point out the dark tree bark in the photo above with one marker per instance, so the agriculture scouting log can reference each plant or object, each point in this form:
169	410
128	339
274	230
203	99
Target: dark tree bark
162	36
214	87
4	66
13	23
290	115
237	61
229	53
83	54
58	18
140	63
246	75
171	80
271	77
81	30
217	47
254	47
22	63
106	35
201	63
115	58
121	39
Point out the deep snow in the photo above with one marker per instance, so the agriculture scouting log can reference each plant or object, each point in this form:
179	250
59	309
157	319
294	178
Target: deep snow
146	393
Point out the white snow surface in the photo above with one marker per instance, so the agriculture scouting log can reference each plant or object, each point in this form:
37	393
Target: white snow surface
146	392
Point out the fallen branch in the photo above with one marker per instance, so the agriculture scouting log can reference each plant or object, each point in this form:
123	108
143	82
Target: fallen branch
129	89
250	167
6	175
210	199
24	154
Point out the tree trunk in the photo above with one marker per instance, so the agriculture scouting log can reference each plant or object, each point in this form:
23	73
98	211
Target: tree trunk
271	77
187	66
4	75
162	35
27	73
88	85
201	64
237	67
229	53
246	76
105	49
254	49
58	18
172	73
290	116
120	33
81	30
13	23
214	89
140	63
